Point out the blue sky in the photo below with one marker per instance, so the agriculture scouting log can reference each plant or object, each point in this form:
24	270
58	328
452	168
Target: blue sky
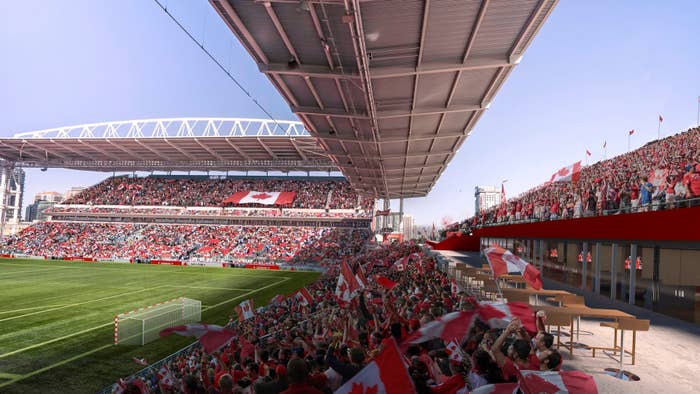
596	70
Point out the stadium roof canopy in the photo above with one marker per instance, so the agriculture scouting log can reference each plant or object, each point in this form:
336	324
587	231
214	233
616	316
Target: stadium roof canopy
180	144
390	88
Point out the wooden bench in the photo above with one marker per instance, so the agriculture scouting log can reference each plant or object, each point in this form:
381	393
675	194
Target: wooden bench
622	325
559	320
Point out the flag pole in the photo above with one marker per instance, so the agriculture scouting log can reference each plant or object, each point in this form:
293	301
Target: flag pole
698	118
629	138
658	132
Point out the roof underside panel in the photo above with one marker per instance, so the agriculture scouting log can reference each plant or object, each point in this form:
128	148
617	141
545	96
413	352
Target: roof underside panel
391	88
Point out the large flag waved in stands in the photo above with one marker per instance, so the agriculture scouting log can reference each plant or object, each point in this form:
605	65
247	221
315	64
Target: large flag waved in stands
347	283
385	374
245	310
555	382
454	325
503	262
567	174
210	336
498	314
264	198
303	297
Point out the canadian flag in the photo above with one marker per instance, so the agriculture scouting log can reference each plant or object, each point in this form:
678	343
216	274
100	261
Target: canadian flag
385	374
569	173
498	314
400	264
503	262
588	153
557	382
210	336
264	198
347	284
455	351
360	277
165	377
303	297
245	310
447	327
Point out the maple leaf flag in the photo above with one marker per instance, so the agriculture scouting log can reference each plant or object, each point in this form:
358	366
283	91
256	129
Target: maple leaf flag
498	314
347	284
504	262
385	374
631	132
565	174
245	310
661	118
264	198
303	297
447	327
210	336
588	153
455	351
556	382
165	377
605	144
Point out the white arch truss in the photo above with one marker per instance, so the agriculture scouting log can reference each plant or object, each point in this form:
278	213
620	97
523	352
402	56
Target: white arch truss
174	128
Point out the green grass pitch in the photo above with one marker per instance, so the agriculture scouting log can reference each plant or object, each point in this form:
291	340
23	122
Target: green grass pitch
57	317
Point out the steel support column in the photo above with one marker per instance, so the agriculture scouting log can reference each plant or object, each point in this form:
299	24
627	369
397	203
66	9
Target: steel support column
596	267
584	262
633	273
613	271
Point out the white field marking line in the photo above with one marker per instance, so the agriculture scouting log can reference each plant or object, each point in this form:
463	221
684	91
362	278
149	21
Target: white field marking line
32	270
60	296
80	303
208	287
247	294
27	309
4	375
58	364
62	362
84	265
36	345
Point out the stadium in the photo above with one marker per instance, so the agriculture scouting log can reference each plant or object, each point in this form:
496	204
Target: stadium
260	255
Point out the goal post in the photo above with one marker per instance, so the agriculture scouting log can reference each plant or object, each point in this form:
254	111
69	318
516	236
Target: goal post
141	326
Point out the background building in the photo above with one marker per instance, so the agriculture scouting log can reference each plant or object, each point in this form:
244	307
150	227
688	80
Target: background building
54	197
486	197
73	191
408	227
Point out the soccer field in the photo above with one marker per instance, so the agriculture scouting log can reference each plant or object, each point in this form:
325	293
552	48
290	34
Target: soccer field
57	317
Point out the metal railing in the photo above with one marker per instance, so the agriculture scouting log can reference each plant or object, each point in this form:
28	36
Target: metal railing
654	206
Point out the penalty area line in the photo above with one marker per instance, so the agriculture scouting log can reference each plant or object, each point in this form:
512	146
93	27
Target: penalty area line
52	366
36	345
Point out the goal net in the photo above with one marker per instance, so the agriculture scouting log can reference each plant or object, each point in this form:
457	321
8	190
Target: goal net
142	326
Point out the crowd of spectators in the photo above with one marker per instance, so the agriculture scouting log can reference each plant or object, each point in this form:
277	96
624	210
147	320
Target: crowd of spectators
293	347
208	211
663	174
176	242
208	192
